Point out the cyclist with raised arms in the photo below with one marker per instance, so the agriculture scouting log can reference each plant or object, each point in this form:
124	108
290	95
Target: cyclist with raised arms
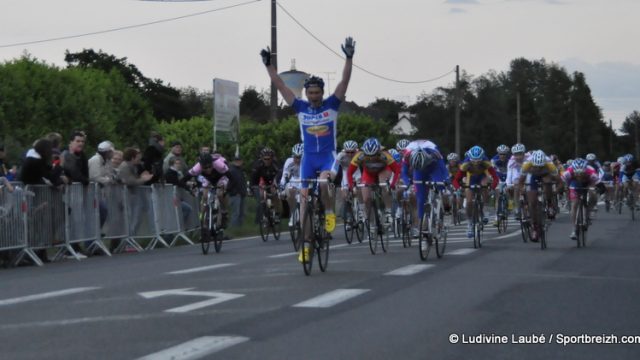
579	175
423	160
476	171
513	174
318	126
290	180
377	167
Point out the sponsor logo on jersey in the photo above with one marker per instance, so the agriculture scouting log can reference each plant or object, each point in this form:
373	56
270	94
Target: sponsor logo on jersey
318	130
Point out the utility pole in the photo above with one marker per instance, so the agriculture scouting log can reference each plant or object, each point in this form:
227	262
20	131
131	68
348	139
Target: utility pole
457	119
575	128
328	74
610	138
274	60
518	117
637	120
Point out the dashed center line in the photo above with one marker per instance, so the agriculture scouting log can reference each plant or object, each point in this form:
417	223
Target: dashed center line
331	298
196	348
410	270
198	269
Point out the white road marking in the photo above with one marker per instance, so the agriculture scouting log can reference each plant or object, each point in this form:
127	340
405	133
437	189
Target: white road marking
217	297
461	251
331	298
46	295
507	235
410	270
196	348
197	269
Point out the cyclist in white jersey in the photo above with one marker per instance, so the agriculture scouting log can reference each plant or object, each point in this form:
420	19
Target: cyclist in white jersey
513	174
290	180
318	125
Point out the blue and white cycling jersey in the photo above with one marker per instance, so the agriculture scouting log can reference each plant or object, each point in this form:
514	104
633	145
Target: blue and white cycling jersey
318	125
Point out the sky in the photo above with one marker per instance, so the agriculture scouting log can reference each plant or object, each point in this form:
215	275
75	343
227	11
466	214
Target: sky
401	40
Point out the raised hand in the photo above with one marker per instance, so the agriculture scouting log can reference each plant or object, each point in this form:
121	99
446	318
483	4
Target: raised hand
349	47
266	56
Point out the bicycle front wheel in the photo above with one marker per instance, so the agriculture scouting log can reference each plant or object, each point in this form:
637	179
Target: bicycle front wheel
264	223
274	225
217	240
372	225
205	230
307	235
424	238
322	244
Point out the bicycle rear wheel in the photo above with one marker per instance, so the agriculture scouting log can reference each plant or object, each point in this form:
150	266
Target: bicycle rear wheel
349	222
294	231
406	228
383	231
274	225
424	237
373	223
441	238
205	230
503	214
580	225
217	240
264	222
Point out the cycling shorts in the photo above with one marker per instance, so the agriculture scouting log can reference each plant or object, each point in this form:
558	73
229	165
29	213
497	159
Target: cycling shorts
313	162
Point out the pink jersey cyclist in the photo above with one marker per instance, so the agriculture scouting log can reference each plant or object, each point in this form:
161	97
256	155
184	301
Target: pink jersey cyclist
217	175
586	178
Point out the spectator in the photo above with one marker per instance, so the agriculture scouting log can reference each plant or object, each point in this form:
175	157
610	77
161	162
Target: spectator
3	168
129	175
237	191
12	175
174	176
116	160
152	158
204	149
37	170
74	160
176	152
100	171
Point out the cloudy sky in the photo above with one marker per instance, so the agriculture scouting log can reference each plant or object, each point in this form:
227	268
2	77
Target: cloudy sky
403	40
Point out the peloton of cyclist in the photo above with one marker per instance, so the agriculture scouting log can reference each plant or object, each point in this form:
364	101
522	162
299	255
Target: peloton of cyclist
500	163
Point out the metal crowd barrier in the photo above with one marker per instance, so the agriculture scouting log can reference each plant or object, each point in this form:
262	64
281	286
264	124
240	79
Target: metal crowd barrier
13	223
41	217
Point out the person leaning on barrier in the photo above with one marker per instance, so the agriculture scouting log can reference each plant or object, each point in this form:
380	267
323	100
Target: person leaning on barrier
152	158
37	169
74	160
116	160
175	153
173	176
128	170
100	169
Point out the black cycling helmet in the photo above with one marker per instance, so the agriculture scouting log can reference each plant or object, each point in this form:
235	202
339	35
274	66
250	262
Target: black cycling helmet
266	151
314	81
205	160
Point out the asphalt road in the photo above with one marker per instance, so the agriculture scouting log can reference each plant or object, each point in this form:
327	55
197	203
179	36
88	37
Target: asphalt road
253	301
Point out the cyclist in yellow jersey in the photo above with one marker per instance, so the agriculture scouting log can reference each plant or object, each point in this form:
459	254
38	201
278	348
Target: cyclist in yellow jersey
377	166
539	168
477	171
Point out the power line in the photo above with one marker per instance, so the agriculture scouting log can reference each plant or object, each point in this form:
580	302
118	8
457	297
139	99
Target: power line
127	27
356	66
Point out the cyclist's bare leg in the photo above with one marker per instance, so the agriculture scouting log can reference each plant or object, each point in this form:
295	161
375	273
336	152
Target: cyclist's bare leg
383	177
366	198
327	192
